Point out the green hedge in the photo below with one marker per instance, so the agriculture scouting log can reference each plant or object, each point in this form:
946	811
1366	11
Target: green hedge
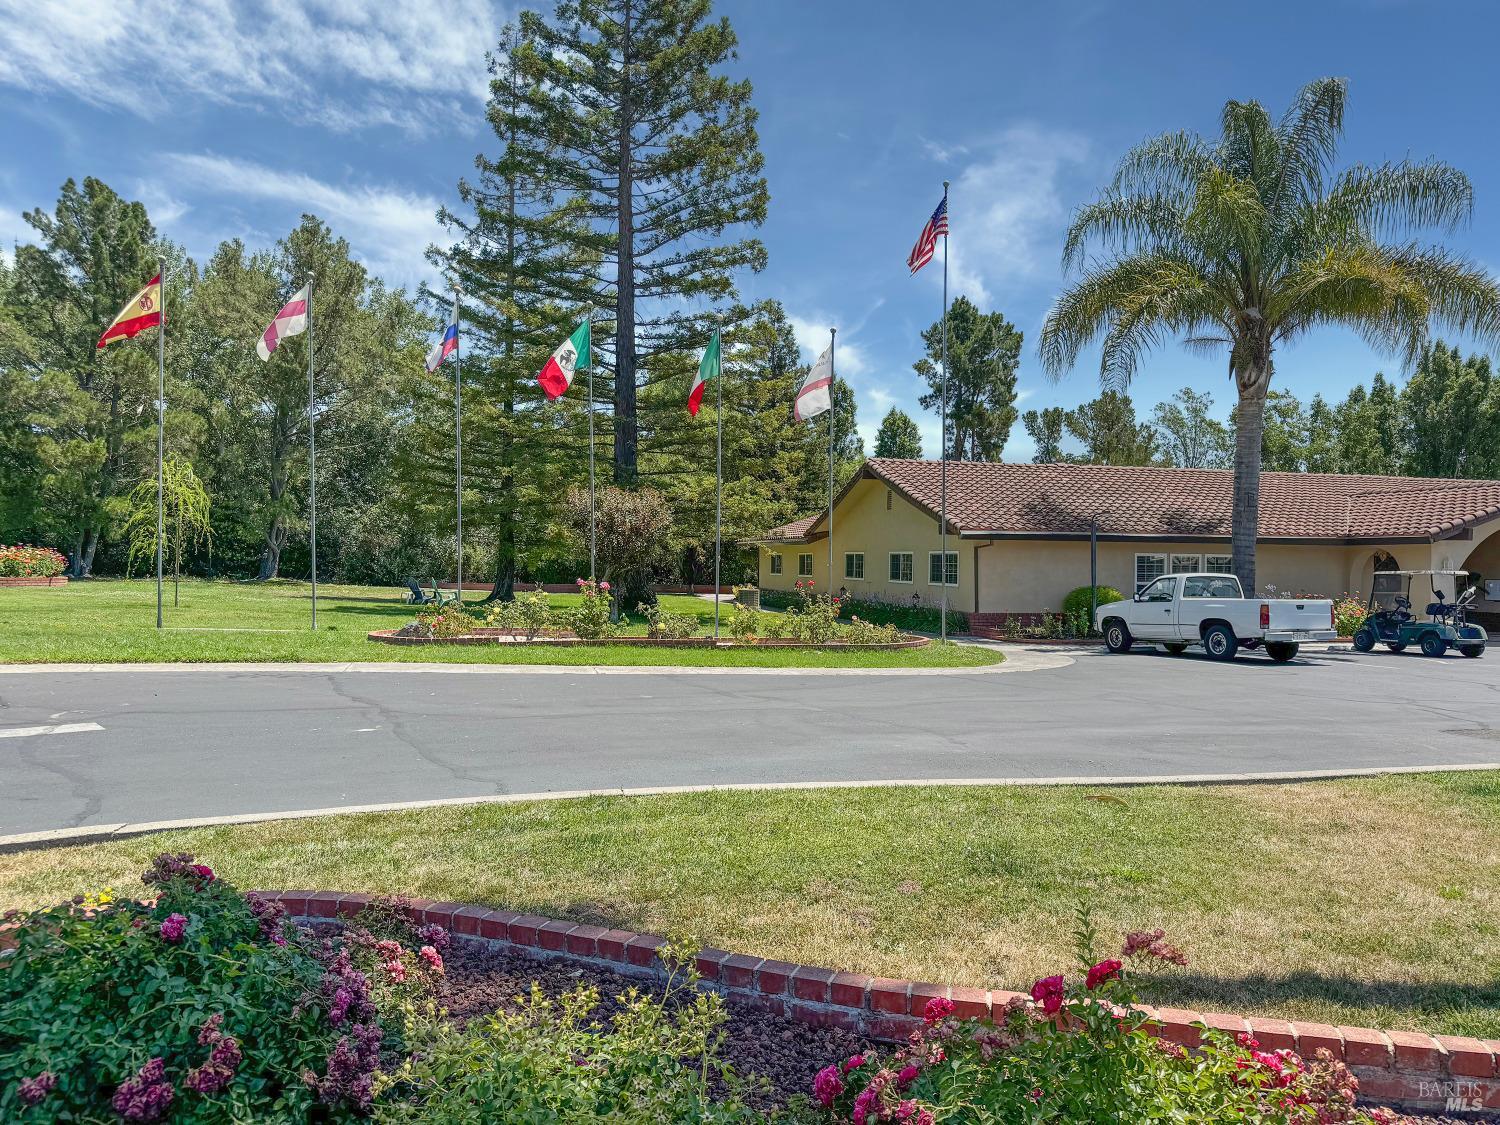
1077	600
911	619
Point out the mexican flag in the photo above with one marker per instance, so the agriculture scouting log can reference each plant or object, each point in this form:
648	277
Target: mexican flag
572	355
708	368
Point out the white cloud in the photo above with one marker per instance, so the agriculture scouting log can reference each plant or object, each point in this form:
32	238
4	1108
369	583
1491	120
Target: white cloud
849	358
1006	210
388	228
401	64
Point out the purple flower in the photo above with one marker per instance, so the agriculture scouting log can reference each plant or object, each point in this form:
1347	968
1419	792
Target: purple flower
269	915
172	929
218	1071
147	1096
827	1085
33	1090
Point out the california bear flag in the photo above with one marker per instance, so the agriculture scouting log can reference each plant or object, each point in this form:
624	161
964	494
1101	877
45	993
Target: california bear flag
572	355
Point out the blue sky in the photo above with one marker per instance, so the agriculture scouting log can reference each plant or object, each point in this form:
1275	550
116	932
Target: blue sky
230	119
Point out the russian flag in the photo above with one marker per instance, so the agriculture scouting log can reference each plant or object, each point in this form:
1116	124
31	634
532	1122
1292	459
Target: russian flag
441	350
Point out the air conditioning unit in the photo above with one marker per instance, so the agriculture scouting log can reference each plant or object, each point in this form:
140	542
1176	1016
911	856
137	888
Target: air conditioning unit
1492	590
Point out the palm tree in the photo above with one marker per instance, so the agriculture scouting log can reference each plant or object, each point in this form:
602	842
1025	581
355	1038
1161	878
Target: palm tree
1248	241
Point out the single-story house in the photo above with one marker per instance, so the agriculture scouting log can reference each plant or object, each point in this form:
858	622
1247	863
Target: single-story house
1018	534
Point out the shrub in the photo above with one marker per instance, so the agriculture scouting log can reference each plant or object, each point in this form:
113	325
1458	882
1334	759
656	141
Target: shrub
1082	1050
204	1002
1348	614
902	614
1077	605
591	620
30	562
862	632
746	623
676	626
656	1061
816	619
450	621
528	614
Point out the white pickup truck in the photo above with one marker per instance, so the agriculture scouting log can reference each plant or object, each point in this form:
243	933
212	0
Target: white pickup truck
1211	610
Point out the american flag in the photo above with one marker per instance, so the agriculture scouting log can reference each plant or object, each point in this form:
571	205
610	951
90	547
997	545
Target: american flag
921	253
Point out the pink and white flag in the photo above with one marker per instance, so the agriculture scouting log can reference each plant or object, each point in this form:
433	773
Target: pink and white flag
290	321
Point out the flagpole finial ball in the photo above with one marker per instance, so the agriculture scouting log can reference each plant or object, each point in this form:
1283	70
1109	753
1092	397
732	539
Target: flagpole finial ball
945	185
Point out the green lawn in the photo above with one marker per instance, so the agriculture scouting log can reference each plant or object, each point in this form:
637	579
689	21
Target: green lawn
113	621
1370	902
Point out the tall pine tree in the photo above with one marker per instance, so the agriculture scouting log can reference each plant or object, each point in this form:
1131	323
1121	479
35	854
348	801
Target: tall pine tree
984	350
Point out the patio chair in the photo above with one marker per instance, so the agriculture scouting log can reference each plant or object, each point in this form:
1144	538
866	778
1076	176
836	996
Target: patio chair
439	597
415	595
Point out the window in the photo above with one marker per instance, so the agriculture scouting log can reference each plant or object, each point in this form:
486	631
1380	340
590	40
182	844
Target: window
1159	591
1218	564
854	565
1200	587
775	564
935	568
1185	564
901	569
804	566
1147	568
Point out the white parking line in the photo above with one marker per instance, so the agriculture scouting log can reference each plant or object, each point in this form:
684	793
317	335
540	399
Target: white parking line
53	728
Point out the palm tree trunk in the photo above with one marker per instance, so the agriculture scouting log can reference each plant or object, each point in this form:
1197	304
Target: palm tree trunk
1249	429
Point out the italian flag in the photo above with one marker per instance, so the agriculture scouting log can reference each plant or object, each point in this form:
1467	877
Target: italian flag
142	311
572	355
708	368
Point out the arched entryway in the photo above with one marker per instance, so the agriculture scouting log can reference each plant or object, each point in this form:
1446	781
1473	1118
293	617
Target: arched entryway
1385	585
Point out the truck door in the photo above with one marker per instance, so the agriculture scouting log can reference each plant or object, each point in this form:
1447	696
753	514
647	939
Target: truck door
1154	612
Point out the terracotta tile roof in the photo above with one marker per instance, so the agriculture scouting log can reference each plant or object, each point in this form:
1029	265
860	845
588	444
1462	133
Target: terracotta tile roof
794	532
1149	501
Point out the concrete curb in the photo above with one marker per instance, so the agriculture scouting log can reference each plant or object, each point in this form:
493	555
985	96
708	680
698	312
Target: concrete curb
101	833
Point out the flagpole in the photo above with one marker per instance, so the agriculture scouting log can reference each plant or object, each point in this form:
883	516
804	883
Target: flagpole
458	437
832	410
312	455
593	506
161	425
943	443
719	475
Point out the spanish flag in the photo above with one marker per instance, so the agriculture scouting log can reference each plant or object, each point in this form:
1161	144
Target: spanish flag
142	311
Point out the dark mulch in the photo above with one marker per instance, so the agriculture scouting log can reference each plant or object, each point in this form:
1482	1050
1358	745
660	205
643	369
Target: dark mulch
482	979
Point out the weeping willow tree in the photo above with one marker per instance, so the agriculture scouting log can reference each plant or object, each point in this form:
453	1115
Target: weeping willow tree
185	518
1247	241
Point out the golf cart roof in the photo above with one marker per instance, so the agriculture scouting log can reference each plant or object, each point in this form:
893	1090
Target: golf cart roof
1456	573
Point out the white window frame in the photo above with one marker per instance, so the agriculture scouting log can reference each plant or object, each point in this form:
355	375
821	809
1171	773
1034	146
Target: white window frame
775	562
805	565
909	568
849	557
950	571
1218	564
1142	581
1175	557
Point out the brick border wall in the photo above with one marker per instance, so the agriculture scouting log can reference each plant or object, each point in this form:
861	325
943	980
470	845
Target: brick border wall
1413	1070
36	580
484	636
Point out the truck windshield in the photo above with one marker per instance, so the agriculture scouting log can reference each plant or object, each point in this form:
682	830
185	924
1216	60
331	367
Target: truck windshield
1208	586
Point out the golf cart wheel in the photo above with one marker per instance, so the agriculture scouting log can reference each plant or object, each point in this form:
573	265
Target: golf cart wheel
1473	652
1396	646
1281	651
1175	648
1433	645
1364	640
1116	635
1220	643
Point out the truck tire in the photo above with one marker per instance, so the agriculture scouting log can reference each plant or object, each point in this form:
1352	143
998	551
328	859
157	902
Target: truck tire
1220	642
1473	652
1433	645
1364	640
1281	651
1116	635
1176	648
1396	646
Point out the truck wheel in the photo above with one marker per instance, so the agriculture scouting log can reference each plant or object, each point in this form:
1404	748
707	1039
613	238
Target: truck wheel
1116	635
1220	642
1364	640
1396	646
1280	651
1175	648
1473	652
1433	645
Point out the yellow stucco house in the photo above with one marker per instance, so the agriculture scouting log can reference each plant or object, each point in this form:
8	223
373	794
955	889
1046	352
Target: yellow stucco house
1018	534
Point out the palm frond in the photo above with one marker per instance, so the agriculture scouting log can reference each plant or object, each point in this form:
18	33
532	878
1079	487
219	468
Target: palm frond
1170	163
1120	222
1227	216
1248	145
1463	297
1394	199
1362	286
1308	136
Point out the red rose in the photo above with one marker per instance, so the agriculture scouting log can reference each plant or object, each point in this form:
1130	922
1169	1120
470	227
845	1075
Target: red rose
1103	971
1048	992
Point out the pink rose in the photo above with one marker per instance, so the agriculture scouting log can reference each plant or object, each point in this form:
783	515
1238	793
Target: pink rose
908	1075
1103	971
827	1085
172	928
1048	992
938	1008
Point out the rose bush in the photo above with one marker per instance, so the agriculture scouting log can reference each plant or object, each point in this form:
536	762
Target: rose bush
30	562
1083	1050
1348	614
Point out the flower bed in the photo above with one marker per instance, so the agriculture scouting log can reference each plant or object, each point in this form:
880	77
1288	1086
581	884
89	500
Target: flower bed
36	580
484	636
31	566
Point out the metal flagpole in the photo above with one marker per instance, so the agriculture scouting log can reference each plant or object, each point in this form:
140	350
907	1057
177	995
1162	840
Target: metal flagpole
832	410
458	438
593	507
312	455
943	445
161	424
719	478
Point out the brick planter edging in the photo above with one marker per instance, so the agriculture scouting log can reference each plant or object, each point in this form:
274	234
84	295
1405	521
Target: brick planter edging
484	636
1415	1071
36	580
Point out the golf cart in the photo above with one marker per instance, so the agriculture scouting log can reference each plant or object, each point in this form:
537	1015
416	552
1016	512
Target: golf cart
1447	625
